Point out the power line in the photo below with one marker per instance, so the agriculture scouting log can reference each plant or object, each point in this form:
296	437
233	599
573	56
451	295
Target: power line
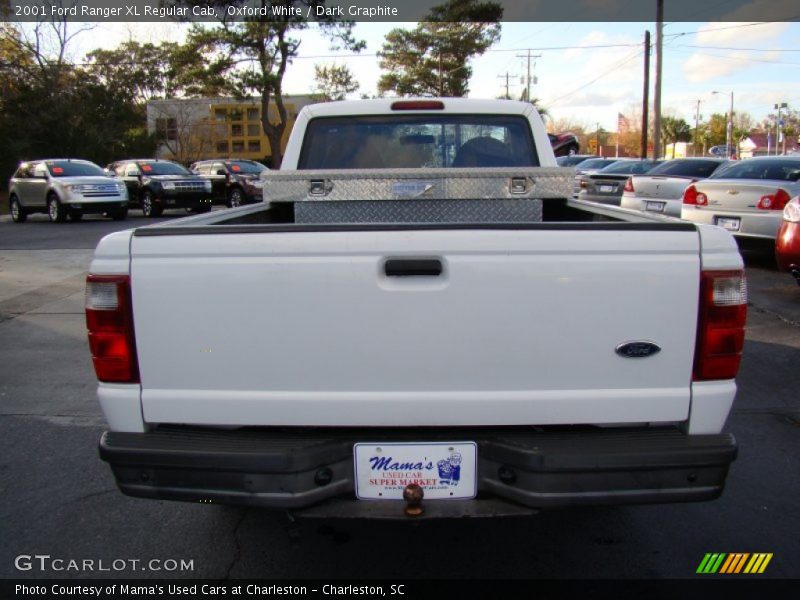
735	48
603	74
787	20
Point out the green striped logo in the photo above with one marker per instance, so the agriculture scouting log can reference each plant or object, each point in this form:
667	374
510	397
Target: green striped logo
734	563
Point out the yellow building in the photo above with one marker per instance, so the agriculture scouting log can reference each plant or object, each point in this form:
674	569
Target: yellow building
191	129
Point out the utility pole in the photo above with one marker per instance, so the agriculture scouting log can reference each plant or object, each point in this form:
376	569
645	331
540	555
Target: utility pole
779	129
696	127
657	90
599	148
441	80
645	94
506	77
529	56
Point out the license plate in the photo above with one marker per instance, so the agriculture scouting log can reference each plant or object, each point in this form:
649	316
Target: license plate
655	206
445	470
728	223
608	188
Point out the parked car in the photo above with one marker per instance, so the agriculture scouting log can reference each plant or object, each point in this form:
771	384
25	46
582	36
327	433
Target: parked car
787	243
564	144
155	185
65	187
747	198
234	181
587	167
661	189
573	159
606	185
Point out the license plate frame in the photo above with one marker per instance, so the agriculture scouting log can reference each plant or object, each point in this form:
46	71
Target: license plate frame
448	470
607	189
728	223
655	206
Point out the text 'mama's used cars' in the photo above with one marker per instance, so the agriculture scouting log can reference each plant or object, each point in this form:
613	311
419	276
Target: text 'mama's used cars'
233	181
607	184
64	188
156	185
747	198
661	189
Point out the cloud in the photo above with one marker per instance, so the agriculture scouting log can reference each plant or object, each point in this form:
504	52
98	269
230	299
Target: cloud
700	67
595	99
740	33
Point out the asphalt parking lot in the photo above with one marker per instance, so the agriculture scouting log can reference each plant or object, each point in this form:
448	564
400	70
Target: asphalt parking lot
60	500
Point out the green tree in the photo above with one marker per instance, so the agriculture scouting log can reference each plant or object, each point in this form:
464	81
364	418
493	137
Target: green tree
433	58
250	58
334	82
674	130
716	130
144	71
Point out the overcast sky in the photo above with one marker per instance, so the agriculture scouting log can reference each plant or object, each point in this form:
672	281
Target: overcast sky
576	79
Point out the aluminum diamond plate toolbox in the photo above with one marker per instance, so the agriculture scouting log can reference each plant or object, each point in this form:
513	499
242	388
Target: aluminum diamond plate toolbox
419	184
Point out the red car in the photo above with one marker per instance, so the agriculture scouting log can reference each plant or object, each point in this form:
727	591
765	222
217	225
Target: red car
787	244
564	144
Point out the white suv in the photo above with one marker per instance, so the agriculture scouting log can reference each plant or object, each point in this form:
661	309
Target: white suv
63	187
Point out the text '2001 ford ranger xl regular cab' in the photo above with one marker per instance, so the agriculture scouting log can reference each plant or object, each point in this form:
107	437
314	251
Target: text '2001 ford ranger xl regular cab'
421	311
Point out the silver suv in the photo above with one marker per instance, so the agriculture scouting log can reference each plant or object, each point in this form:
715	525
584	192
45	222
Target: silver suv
63	187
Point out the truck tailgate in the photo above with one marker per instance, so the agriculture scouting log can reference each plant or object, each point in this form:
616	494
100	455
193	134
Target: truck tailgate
521	326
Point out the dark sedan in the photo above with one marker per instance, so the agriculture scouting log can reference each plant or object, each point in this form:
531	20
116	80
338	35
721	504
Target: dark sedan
607	184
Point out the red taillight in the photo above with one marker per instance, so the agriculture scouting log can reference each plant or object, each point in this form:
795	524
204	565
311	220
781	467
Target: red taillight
690	195
776	201
109	320
628	185
701	199
720	328
418	105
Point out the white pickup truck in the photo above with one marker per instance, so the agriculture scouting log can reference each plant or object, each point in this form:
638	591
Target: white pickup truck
419	308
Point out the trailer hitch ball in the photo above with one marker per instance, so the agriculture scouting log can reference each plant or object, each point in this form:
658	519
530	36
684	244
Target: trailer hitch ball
507	475
413	494
323	477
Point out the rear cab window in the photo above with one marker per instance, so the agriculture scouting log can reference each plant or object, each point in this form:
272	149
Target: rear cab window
418	141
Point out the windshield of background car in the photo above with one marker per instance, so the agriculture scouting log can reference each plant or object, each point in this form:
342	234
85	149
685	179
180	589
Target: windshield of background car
418	141
628	167
595	163
570	161
686	168
245	167
65	168
162	168
772	169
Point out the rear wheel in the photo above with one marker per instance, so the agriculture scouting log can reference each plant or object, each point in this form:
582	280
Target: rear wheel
55	210
149	206
235	197
18	214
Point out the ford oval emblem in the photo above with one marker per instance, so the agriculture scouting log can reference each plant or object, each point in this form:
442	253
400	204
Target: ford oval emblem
637	349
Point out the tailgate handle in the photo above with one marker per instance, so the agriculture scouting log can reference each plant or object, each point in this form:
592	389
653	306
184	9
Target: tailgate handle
413	267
